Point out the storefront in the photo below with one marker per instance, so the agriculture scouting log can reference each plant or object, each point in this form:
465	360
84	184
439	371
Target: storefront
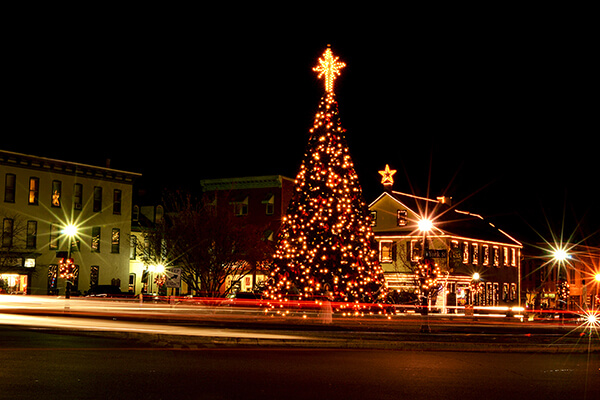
16	272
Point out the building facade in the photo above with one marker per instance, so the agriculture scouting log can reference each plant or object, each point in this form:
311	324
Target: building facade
260	201
479	263
571	283
41	198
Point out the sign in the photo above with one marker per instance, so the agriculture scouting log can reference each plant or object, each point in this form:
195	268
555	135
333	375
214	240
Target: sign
432	253
173	276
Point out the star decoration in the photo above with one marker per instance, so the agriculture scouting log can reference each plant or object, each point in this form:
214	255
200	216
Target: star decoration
329	66
387	176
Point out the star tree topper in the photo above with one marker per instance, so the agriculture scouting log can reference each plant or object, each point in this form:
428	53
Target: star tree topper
387	176
329	67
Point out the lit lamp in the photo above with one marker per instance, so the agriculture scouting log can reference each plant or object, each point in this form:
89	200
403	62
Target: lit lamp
425	225
70	231
560	255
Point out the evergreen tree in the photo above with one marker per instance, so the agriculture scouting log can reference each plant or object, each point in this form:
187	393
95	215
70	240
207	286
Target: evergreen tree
326	244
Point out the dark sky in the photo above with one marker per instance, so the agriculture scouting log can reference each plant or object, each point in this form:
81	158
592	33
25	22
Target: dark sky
499	112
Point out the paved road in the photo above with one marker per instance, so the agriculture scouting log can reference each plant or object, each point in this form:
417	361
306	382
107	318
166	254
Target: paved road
37	364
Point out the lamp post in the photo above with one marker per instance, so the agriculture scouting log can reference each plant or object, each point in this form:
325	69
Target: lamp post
425	225
70	231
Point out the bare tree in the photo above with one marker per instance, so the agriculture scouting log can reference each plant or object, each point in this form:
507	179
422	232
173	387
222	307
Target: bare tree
208	247
13	239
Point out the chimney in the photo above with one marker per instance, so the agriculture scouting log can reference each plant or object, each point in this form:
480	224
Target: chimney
445	200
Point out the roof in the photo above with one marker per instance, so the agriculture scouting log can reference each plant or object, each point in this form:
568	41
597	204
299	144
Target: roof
449	221
65	167
249	182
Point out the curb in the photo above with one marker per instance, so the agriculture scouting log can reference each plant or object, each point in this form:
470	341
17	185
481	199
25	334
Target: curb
183	342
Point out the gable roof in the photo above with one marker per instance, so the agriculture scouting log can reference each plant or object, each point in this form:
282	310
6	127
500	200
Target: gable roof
447	220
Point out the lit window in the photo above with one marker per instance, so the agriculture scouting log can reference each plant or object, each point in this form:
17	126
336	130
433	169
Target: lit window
115	240
465	253
475	253
373	218
416	250
386	251
95	245
486	255
56	193
402	217
496	256
34	191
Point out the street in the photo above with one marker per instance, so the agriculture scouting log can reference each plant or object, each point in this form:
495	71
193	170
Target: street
37	363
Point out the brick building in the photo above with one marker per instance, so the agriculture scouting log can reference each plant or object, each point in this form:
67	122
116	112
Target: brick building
261	201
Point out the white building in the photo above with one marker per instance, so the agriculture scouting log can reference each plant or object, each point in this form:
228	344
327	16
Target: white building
42	196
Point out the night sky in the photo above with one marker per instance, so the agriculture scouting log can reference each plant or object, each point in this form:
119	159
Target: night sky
495	113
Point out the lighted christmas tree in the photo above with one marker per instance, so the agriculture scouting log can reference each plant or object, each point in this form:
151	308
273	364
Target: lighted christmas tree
326	245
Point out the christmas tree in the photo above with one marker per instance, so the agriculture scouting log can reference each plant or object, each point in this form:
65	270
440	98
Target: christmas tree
326	245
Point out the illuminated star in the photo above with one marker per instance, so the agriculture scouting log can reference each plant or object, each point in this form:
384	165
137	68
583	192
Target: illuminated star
387	176
329	66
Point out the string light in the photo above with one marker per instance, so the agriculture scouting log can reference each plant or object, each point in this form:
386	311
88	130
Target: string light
387	176
329	67
326	245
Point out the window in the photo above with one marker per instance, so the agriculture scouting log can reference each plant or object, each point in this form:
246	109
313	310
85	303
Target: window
95	245
52	279
240	208
131	283
386	251
97	206
416	250
117	201
513	291
133	248
513	257
56	193
269	203
135	216
402	217
506	257
54	235
94	275
31	241
34	191
465	253
373	218
8	225
115	240
486	255
78	196
475	253
496	256
9	188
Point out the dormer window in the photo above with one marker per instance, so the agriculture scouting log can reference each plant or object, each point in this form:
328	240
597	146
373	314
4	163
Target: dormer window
402	217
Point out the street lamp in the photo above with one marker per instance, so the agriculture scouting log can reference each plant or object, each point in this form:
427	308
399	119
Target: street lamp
70	231
561	255
425	225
